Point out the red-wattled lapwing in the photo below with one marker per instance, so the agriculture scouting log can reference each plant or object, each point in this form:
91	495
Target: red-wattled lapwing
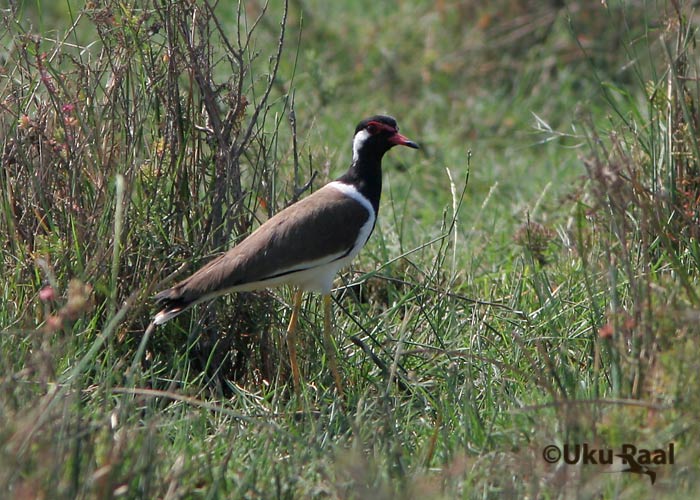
305	244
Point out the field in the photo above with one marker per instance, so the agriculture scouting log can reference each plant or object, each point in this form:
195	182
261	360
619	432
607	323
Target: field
530	295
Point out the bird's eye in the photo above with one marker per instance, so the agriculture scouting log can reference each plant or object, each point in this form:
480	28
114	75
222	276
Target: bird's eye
372	128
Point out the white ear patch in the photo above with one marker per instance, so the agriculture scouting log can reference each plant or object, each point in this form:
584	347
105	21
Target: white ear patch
357	143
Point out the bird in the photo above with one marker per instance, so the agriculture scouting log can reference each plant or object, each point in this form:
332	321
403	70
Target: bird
635	467
304	245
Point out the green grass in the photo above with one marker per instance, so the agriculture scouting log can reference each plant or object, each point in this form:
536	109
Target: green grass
532	280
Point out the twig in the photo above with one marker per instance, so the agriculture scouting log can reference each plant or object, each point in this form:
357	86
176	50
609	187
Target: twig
398	378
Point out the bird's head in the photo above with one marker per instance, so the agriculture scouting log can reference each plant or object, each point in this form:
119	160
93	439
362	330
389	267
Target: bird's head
376	135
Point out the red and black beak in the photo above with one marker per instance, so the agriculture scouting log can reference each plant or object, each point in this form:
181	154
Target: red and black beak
400	140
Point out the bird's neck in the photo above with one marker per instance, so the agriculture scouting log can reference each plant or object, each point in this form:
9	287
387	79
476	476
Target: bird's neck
365	174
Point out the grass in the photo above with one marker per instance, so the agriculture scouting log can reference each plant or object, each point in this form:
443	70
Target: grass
532	280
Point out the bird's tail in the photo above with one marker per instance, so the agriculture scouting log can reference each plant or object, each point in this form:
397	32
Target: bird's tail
173	304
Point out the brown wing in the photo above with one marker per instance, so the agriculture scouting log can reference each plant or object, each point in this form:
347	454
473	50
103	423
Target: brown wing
303	233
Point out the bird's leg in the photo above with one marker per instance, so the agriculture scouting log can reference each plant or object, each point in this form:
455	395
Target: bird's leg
291	341
329	345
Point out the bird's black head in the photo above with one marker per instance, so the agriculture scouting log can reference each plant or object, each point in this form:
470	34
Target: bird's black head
376	135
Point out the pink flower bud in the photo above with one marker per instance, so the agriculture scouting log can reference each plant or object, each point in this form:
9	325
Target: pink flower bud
47	294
